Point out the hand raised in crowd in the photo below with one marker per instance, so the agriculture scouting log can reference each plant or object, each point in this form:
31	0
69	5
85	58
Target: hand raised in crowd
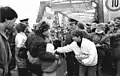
57	56
98	45
59	62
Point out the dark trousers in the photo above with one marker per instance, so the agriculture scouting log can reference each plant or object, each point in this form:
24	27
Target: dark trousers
72	65
36	69
118	68
9	73
89	70
10	67
22	71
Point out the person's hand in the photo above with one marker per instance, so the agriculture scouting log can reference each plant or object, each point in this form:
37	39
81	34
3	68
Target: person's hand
30	58
98	45
59	62
57	56
1	71
5	70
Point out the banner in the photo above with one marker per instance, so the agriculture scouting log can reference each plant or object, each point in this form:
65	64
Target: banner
81	17
49	18
72	7
80	11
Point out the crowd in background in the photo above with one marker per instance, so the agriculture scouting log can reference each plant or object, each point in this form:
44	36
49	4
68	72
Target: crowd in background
26	49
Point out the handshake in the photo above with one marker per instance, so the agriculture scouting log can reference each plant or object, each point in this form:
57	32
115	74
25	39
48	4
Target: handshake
36	60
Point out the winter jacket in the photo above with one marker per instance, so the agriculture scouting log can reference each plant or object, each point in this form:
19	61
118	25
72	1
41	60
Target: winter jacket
87	51
5	52
37	46
103	40
115	42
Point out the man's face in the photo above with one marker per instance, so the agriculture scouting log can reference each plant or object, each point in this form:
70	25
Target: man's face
10	24
72	26
77	39
117	22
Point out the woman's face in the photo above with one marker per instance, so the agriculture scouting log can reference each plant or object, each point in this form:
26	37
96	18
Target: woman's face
99	30
72	26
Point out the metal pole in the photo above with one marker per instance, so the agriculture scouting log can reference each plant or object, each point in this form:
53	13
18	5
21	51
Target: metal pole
100	11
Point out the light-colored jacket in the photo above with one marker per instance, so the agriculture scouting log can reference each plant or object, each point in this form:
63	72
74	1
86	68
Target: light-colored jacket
86	54
20	40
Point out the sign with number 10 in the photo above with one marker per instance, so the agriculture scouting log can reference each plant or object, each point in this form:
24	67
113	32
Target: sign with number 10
113	5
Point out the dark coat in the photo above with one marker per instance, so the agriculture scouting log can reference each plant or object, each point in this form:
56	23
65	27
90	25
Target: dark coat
104	42
5	51
104	51
115	42
37	46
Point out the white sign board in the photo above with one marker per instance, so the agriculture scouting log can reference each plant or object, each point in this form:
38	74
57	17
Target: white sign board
111	9
112	5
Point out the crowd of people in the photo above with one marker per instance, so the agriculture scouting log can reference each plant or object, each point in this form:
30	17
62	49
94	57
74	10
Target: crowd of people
89	49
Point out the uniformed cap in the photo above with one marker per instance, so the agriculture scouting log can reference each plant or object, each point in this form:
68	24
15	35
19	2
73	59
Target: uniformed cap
72	20
26	19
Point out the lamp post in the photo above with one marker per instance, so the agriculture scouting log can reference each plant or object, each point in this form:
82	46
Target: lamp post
101	12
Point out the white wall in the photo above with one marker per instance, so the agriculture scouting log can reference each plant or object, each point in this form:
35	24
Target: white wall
24	8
